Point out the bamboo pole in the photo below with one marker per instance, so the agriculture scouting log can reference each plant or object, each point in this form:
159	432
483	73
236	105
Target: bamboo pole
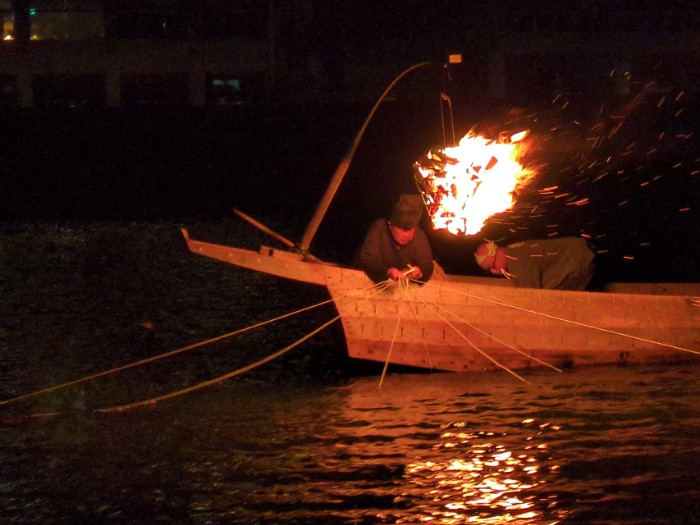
282	239
261	226
342	168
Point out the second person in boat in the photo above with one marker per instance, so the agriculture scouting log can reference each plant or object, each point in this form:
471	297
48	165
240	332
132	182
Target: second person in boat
396	247
564	263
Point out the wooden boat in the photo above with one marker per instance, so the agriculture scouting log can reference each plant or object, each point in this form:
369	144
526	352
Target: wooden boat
458	323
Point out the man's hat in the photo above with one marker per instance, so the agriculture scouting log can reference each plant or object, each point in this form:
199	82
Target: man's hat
407	211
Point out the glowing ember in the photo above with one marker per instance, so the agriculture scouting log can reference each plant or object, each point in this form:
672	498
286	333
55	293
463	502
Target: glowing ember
464	185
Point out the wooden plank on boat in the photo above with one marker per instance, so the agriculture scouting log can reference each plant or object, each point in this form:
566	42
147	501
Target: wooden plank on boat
460	326
268	260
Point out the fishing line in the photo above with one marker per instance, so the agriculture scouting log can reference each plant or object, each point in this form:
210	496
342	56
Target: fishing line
393	337
404	282
577	323
499	340
204	384
161	356
486	355
420	328
377	287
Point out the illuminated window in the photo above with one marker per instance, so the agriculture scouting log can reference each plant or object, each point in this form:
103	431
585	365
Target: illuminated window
224	90
66	20
7	19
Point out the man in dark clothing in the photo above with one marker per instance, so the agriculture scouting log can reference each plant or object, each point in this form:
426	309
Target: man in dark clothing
397	247
565	263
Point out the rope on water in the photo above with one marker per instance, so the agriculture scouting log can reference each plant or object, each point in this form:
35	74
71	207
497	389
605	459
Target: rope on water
376	287
204	384
161	356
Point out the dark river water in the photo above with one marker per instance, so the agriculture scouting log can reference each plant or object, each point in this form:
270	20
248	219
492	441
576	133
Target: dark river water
306	438
609	445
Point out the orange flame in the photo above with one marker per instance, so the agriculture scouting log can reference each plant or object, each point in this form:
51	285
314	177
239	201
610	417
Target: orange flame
463	186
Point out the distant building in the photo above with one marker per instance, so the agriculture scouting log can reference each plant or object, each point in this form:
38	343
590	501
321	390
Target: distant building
133	52
203	53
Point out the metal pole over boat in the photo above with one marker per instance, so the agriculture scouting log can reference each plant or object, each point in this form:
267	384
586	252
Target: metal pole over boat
342	168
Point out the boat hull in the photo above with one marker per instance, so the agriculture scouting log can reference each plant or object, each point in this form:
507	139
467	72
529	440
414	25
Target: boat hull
462	326
468	324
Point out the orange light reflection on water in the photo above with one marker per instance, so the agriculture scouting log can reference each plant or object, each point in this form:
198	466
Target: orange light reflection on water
484	482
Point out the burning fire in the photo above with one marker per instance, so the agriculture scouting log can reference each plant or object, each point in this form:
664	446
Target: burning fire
464	185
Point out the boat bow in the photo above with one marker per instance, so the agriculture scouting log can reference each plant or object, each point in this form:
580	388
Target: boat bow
268	260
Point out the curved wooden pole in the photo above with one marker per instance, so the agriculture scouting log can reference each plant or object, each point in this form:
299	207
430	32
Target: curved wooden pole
345	163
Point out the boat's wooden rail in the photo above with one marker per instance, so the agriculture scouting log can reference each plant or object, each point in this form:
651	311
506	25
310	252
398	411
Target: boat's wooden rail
268	260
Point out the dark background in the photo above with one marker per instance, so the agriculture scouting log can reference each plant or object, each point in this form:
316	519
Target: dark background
574	71
275	161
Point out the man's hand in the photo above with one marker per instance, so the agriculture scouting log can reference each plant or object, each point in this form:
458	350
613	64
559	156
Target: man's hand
394	274
413	272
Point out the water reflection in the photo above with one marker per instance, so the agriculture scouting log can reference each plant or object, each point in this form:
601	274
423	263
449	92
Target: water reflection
484	482
455	466
603	445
